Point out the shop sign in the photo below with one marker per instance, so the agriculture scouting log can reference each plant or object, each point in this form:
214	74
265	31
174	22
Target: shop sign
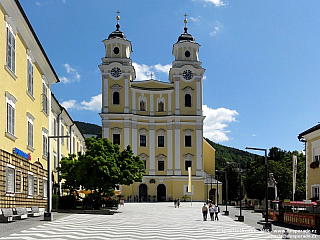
22	153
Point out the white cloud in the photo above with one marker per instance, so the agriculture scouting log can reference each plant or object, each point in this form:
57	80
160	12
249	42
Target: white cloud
217	28
69	104
64	1
143	71
195	19
216	122
93	105
217	3
162	68
73	74
40	4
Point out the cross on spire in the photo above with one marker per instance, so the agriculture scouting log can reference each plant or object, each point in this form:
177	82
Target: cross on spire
151	75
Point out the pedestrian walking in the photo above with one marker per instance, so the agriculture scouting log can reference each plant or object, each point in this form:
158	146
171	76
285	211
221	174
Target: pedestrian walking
211	211
175	203
216	210
205	212
178	203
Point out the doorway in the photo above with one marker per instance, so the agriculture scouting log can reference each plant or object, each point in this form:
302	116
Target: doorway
143	192
161	193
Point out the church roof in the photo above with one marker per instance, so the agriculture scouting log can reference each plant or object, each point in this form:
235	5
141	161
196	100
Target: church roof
186	36
117	33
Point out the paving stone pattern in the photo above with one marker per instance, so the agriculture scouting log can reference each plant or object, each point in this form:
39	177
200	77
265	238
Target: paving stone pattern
143	221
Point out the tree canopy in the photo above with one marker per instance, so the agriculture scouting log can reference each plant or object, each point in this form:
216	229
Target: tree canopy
101	168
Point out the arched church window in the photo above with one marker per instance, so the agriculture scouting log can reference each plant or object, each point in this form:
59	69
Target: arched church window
161	107
187	100
142	105
116	98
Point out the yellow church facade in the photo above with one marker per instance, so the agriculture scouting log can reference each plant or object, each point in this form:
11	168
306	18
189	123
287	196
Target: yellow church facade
161	121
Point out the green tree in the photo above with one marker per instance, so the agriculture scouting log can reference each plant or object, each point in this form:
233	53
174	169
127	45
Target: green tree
101	168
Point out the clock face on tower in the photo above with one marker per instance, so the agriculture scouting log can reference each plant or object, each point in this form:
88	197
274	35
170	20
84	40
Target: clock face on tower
115	72
187	74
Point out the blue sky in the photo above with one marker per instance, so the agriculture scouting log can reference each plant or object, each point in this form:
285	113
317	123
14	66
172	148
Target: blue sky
262	59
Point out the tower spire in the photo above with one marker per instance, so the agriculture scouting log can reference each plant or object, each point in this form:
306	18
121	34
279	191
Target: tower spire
185	23
118	18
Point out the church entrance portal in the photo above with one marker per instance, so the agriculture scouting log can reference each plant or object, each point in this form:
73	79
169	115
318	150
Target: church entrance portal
161	193
143	192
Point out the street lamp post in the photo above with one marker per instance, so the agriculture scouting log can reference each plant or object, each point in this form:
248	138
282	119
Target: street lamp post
48	215
240	217
266	224
226	212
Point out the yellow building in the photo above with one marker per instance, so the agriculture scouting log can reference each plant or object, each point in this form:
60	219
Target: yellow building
161	121
30	115
311	138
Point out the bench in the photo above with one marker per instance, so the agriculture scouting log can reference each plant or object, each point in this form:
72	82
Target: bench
240	218
7	215
21	212
34	211
266	225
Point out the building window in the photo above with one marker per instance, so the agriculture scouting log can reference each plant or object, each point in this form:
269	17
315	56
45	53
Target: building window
143	140
160	165
30	77
10	101
187	164
160	141
187	141
30	185
55	161
160	102
142	103
36	186
45	103
68	139
10	180
19	181
10	118
11	50
187	100
315	192
55	127
45	143
116	138
30	120
116	98
45	187
62	134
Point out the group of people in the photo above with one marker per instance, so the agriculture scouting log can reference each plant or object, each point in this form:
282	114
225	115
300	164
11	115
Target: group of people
176	203
213	210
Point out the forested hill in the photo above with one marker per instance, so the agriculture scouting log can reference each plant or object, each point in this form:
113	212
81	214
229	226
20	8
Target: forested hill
223	153
228	154
89	128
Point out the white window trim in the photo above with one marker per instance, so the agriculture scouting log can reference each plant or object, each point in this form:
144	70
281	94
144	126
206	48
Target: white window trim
19	172
30	90
116	88
30	119
161	99
30	174
45	134
144	99
13	30
188	132
162	133
11	194
11	100
313	191
45	187
187	157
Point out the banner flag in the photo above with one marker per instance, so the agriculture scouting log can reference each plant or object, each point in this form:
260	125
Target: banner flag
294	173
189	184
